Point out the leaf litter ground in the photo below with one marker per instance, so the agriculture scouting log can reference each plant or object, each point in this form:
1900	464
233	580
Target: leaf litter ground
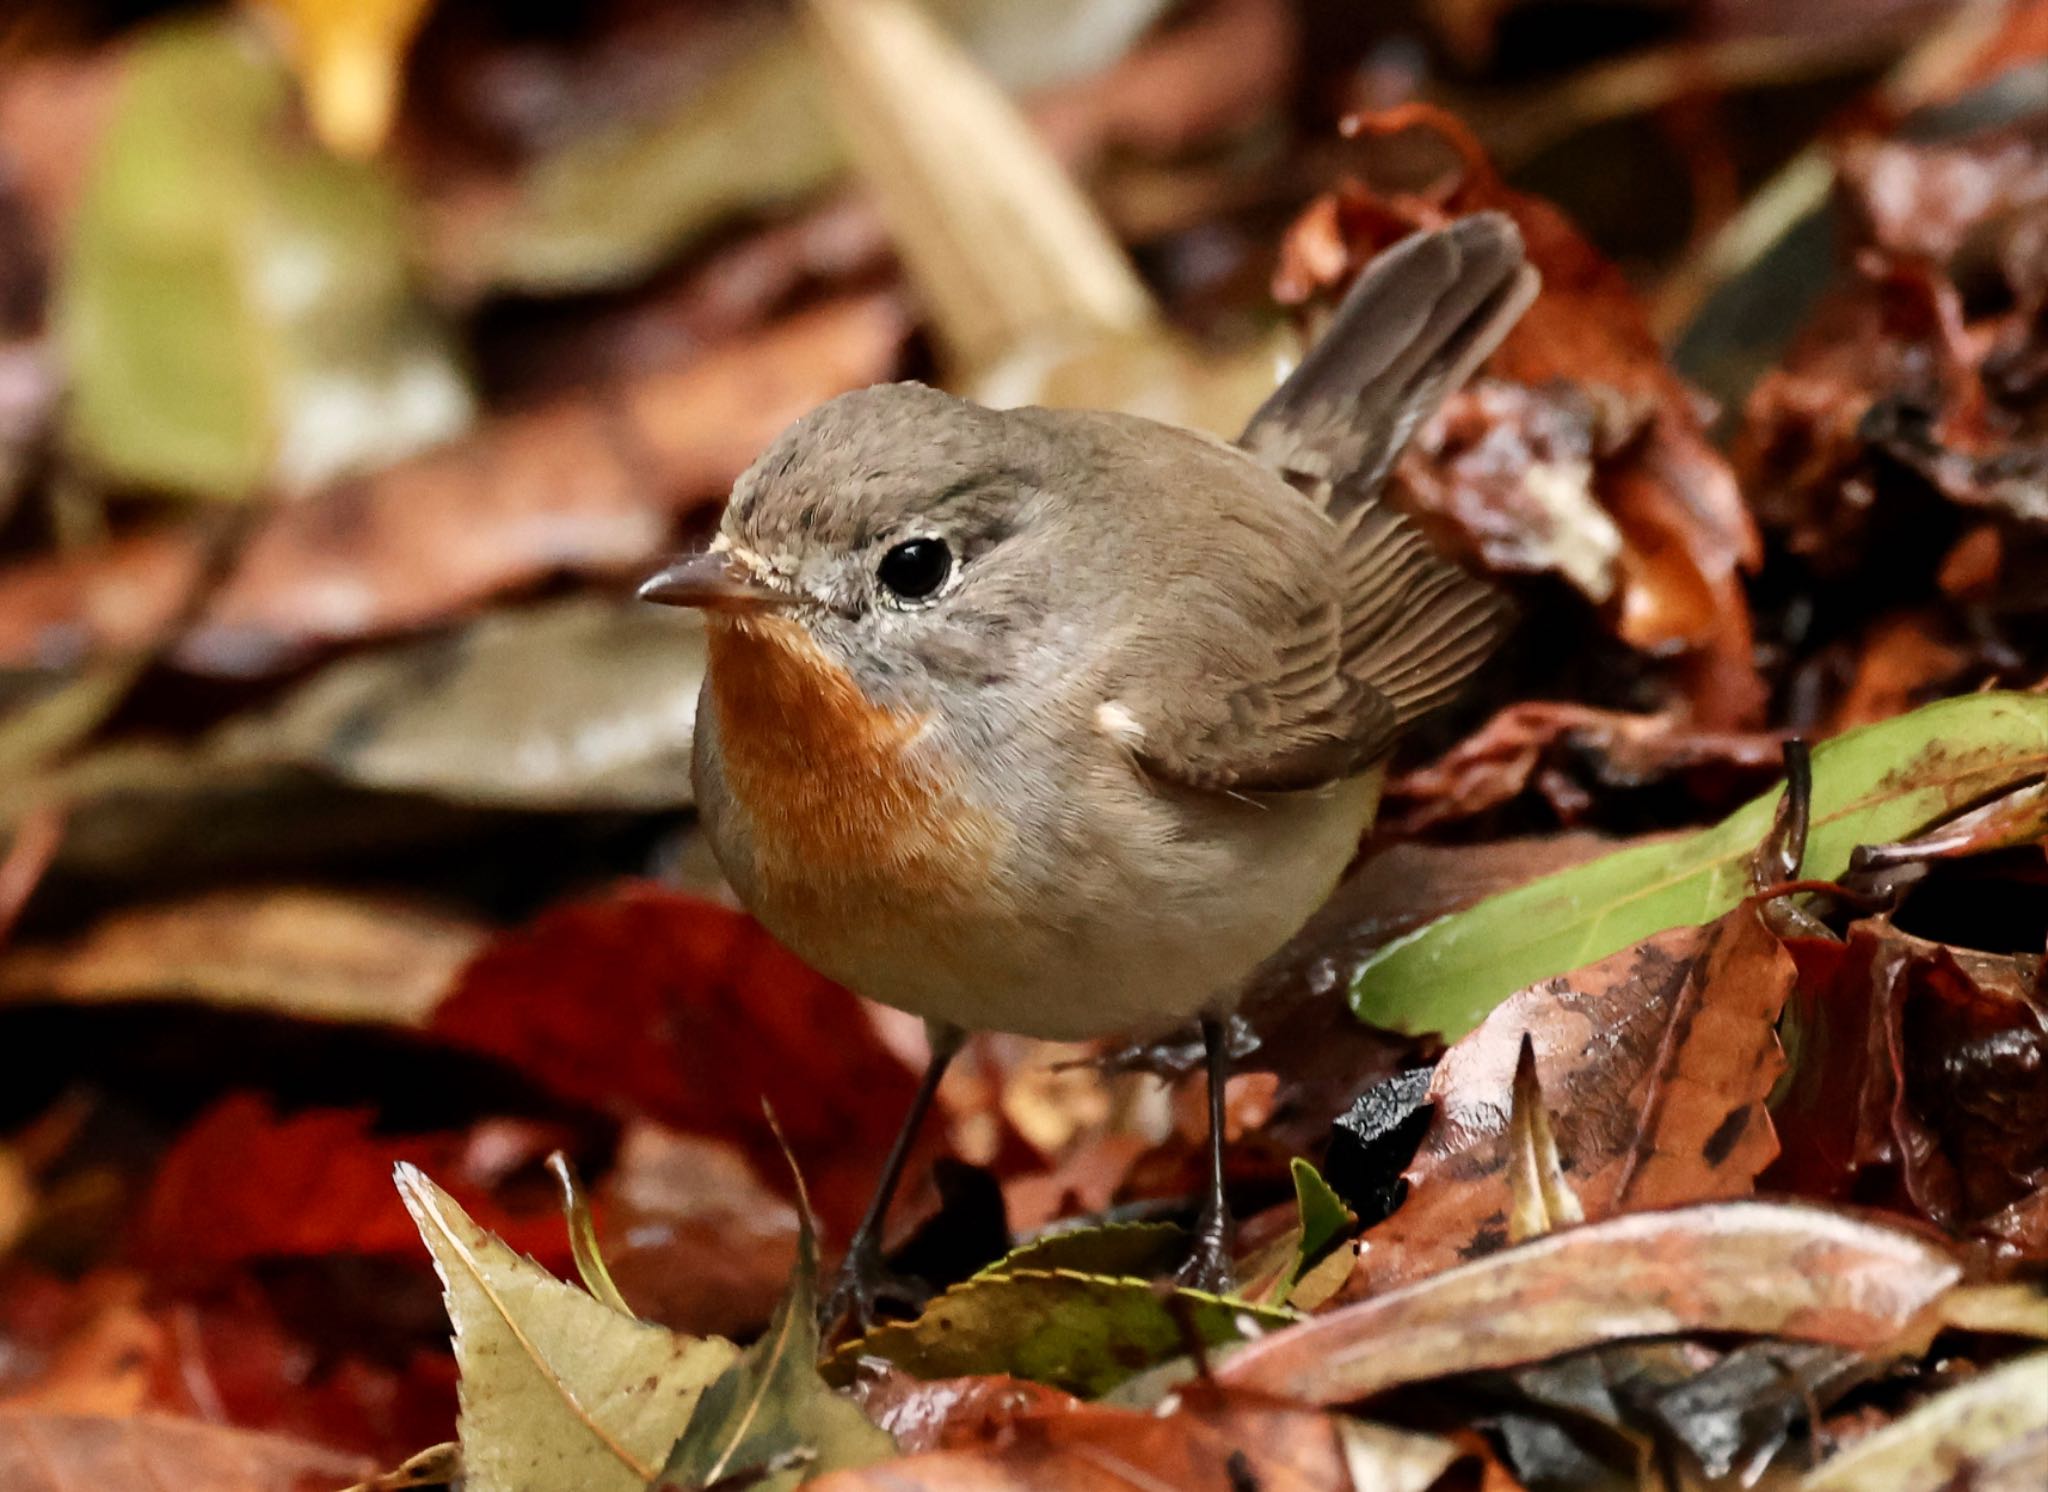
1672	1148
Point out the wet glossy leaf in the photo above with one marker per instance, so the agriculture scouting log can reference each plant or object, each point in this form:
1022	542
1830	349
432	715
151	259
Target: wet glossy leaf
1879	783
557	1389
235	307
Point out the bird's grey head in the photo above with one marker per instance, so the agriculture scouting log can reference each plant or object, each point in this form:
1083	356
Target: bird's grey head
909	532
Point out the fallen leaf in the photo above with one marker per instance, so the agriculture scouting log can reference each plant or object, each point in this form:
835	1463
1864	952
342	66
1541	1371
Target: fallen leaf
1665	1056
694	1237
1078	1332
1755	1268
1288	1270
42	1452
1738	1416
1539	743
945	1414
193	368
587	704
242	1183
557	1390
1922	1064
250	1356
591	484
1879	783
770	1418
1668	555
32	845
650	1004
1989	1432
303	951
1208	1440
436	1466
1126	1249
350	58
613	202
1541	1195
88	1347
1293	1006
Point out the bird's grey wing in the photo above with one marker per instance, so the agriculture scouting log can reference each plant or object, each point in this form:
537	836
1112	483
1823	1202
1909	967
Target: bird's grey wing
1340	673
1413	326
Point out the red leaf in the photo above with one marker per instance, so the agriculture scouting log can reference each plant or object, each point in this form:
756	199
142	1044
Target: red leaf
644	1002
244	1184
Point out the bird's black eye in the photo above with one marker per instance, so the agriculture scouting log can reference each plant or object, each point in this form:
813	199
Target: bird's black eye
915	568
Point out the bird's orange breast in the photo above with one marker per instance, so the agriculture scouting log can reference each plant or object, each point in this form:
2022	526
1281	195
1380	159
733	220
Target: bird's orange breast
841	801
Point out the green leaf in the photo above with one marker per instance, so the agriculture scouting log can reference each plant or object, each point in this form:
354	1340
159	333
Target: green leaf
559	1393
1079	1332
771	1418
1879	783
234	304
1136	1250
1325	1222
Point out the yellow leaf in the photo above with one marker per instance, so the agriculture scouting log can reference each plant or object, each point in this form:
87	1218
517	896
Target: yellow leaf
350	58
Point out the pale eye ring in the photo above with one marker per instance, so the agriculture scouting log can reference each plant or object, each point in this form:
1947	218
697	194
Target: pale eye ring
915	569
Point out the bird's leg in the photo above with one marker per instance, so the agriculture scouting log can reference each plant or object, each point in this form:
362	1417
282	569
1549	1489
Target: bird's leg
864	1281
1208	1265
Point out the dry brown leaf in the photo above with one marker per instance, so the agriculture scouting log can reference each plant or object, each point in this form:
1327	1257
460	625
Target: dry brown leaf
42	1452
1209	1440
103	1363
1633	446
694	1238
1661	1058
1747	1267
1533	743
585	703
303	951
592	484
1542	1195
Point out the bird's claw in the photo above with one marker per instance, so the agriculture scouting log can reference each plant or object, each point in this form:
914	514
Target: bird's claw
865	1290
1209	1266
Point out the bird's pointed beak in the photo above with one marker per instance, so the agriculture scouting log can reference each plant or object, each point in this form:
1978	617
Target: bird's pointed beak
711	581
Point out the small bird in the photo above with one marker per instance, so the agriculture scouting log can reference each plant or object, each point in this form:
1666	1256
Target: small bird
1059	722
